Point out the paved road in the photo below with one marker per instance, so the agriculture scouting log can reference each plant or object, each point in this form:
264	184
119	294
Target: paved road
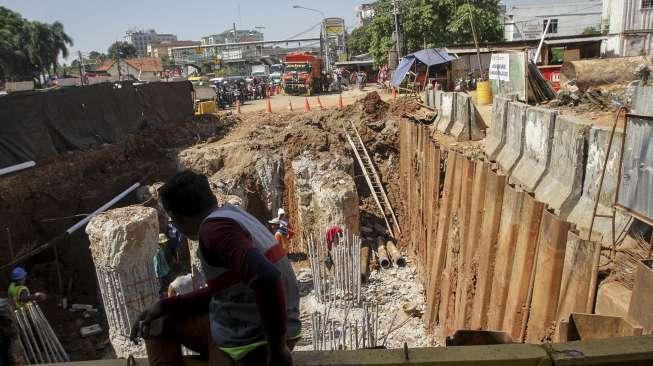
280	102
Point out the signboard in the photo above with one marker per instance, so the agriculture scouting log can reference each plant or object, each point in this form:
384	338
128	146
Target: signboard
334	26
232	55
515	82
500	67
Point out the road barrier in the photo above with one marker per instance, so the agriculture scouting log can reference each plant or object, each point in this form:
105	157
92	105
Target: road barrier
534	163
562	185
447	112
466	126
513	149
496	134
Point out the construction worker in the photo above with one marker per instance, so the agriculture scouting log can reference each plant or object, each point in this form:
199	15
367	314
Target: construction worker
333	235
163	262
18	292
281	233
248	312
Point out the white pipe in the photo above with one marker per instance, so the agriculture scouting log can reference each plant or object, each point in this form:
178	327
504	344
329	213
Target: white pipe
17	167
88	218
539	47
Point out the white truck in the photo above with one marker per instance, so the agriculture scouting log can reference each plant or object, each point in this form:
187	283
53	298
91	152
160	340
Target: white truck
260	70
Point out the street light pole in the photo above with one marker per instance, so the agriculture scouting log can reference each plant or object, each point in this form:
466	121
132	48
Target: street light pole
395	5
322	33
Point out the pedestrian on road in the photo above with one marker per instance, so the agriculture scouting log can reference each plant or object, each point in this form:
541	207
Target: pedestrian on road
248	313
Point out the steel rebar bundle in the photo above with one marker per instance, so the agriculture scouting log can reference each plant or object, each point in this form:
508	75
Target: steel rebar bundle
37	336
341	281
329	334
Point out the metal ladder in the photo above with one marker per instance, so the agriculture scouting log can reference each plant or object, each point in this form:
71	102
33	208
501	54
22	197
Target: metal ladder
371	176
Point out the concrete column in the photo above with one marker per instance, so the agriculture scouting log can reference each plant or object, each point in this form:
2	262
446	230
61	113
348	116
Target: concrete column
123	242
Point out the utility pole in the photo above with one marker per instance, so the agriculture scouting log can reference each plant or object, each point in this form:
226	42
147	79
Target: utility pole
478	50
81	68
395	6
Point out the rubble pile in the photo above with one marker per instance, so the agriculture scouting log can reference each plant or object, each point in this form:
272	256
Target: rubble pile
401	302
589	100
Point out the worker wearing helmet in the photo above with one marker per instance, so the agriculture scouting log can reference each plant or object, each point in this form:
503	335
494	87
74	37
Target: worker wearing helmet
18	292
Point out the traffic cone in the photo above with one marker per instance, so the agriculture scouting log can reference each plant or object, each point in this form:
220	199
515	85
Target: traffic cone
394	93
268	107
307	107
319	102
238	106
289	104
340	106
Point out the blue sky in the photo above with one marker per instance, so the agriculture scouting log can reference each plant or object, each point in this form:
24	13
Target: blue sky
95	24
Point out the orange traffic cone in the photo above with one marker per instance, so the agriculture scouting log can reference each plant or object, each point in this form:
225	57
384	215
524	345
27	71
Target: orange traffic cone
340	106
289	104
307	107
394	93
268	106
319	102
238	106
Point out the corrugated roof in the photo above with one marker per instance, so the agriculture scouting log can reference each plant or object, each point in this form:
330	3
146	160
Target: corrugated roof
142	64
575	40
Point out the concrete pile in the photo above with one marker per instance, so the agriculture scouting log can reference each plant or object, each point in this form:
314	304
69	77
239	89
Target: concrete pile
326	194
122	243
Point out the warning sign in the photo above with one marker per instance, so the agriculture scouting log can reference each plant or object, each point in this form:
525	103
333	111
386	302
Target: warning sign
499	67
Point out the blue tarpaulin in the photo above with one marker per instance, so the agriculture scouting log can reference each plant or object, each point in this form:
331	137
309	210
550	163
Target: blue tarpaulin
429	57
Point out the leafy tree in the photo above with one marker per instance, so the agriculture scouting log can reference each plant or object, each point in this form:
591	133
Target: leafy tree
121	50
427	23
29	48
97	56
591	31
167	62
358	41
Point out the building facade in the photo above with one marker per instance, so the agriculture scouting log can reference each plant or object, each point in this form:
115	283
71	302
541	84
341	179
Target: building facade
140	39
525	22
365	12
628	25
160	49
233	36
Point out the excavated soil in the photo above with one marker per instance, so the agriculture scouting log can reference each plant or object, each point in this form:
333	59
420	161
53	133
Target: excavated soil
39	204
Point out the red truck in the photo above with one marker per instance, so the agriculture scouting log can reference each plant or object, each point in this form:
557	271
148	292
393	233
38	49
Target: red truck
302	74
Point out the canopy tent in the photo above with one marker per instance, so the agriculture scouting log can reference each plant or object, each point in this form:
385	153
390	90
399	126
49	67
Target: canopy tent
429	57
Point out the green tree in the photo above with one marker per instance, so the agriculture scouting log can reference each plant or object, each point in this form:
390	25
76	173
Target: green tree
29	48
591	31
358	41
121	50
97	56
167	62
427	23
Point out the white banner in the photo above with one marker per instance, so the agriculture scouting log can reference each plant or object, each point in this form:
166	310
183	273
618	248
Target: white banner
499	67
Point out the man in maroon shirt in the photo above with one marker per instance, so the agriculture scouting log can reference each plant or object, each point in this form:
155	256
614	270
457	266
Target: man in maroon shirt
248	314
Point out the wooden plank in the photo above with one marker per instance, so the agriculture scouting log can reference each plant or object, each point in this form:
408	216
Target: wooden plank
578	276
467	280
508	231
439	250
486	252
550	260
459	218
522	268
434	198
426	202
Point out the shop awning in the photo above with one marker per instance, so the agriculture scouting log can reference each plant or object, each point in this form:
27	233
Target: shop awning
429	57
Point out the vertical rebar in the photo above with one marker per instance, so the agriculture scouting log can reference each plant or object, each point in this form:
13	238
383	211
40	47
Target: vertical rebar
27	343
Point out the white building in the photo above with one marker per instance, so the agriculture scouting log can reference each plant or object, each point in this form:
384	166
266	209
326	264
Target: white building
524	22
140	39
365	12
629	27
